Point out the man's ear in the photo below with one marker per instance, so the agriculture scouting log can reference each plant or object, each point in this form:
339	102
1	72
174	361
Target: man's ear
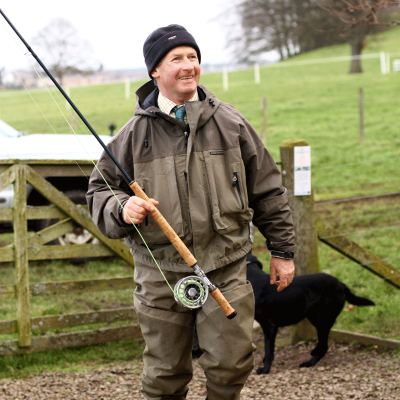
155	74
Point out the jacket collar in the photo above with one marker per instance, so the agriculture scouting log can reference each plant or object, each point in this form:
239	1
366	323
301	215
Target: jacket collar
199	112
147	95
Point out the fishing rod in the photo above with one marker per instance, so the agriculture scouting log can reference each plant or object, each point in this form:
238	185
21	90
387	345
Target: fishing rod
191	292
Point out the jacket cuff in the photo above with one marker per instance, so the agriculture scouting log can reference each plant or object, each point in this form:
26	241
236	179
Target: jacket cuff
280	252
120	214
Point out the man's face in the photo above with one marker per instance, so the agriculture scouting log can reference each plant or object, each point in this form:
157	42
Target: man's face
178	74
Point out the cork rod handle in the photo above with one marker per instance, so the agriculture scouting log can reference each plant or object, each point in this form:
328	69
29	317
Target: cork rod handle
165	227
181	247
223	303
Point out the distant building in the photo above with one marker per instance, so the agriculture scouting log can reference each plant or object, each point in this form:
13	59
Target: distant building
29	79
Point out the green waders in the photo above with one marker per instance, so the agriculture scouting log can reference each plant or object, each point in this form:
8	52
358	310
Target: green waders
168	330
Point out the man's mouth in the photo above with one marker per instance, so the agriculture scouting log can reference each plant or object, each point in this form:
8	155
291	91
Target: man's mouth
186	77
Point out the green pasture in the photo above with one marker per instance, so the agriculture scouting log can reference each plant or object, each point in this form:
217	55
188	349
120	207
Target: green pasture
317	102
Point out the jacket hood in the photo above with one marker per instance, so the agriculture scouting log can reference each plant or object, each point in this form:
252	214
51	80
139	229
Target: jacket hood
199	112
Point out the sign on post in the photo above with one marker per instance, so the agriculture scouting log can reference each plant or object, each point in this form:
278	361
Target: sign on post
302	171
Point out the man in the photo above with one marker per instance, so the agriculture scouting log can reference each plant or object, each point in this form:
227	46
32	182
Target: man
208	172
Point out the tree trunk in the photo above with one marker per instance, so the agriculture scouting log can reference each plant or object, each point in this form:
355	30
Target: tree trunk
356	48
281	53
287	46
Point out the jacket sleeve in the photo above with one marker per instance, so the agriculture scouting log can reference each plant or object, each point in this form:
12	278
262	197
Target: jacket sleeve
267	196
108	188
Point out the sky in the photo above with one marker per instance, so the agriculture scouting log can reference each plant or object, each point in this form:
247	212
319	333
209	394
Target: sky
116	30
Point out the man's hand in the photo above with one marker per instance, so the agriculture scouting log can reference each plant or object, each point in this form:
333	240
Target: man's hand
285	270
136	209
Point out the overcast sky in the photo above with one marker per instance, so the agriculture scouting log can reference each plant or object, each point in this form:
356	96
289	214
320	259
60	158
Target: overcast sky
115	29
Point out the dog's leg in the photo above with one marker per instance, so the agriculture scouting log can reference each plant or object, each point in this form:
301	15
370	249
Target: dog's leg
321	348
323	317
270	330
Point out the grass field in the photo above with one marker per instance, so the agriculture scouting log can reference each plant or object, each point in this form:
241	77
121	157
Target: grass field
316	102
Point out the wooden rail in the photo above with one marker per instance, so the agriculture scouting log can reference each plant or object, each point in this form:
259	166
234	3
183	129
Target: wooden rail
356	253
26	248
62	340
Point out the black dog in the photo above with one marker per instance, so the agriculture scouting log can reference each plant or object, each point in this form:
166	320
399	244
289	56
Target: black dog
318	297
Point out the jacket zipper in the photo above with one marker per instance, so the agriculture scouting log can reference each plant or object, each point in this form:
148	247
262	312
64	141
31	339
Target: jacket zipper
187	184
186	138
235	183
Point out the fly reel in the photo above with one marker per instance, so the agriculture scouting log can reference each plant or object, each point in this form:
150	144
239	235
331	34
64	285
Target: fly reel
191	292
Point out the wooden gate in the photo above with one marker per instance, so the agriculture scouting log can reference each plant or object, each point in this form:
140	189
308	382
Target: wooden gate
32	247
309	230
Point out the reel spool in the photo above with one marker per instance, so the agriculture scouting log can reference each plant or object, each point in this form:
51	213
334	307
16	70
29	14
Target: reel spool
191	292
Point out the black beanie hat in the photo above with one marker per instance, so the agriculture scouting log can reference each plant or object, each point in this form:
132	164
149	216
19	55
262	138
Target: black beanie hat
164	39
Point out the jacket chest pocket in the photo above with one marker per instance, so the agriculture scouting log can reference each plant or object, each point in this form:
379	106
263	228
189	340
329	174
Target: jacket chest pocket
162	187
228	192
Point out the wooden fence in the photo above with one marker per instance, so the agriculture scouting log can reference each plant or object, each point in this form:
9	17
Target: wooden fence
33	247
309	230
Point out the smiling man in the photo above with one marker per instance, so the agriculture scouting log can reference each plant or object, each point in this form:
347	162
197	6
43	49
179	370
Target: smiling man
211	175
178	74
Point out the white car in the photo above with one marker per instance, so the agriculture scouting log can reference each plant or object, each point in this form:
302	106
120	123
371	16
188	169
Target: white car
47	146
16	145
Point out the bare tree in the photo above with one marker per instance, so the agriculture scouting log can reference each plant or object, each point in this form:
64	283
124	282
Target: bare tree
359	12
64	51
314	27
359	18
295	26
287	26
262	27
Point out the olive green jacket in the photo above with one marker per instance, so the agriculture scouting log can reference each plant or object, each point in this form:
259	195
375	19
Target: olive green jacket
210	176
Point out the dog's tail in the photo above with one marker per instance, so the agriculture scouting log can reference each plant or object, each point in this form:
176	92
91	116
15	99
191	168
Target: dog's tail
356	300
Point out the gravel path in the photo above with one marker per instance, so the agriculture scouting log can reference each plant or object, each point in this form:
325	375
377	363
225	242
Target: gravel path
346	372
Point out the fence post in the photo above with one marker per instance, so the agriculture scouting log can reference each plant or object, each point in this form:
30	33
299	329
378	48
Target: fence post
387	63
225	79
263	130
383	62
21	258
361	107
257	73
303	212
127	89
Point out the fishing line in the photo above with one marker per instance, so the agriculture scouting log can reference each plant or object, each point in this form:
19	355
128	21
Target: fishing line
98	170
103	177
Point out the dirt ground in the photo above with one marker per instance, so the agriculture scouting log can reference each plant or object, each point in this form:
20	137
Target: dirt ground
346	372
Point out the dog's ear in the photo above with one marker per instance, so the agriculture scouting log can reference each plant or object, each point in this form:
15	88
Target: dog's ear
254	260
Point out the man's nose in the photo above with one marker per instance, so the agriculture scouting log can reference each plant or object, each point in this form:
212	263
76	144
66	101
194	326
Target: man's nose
187	64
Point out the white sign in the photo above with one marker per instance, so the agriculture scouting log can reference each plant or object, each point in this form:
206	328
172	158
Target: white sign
302	171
